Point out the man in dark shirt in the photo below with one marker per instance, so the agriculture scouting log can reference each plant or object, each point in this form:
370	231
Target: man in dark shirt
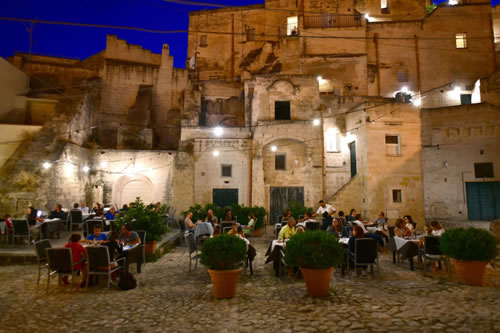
58	213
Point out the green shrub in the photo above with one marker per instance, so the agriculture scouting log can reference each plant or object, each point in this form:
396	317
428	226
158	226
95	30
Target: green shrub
241	212
314	249
223	252
469	244
142	218
297	209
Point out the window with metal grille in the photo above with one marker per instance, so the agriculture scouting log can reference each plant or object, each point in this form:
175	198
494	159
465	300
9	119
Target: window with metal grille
461	41
227	170
282	110
483	170
392	145
203	40
280	162
465	99
397	196
402	76
251	34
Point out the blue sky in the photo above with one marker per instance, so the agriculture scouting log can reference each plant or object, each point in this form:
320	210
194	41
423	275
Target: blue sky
81	42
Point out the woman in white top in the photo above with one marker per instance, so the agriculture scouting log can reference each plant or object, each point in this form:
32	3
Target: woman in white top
437	229
409	223
188	222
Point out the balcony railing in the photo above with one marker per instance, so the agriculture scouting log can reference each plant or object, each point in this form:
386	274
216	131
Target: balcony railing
332	21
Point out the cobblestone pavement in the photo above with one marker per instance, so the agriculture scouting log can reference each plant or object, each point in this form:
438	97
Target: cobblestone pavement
169	299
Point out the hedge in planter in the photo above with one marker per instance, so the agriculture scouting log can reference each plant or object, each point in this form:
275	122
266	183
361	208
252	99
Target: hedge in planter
142	218
199	213
471	249
314	249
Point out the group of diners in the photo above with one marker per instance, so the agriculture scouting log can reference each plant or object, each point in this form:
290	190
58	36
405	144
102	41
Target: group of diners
216	225
113	240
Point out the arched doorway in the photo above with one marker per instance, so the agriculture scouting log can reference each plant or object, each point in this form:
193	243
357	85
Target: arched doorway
128	188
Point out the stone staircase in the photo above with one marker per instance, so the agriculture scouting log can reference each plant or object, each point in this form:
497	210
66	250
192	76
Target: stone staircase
348	196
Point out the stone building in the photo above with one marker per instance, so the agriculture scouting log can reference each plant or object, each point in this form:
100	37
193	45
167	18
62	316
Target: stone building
366	104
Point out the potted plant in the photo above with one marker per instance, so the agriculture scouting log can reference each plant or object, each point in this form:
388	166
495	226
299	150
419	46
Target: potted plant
315	253
470	249
221	255
142	217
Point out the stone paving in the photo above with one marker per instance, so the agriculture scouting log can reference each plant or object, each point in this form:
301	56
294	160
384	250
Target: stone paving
169	299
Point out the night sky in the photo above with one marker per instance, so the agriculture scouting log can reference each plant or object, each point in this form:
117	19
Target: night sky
81	42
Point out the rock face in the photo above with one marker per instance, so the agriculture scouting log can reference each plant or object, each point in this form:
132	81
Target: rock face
168	298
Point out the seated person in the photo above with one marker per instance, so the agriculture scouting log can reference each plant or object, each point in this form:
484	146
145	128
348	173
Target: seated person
113	244
97	237
247	229
357	222
229	216
129	237
410	224
211	218
217	230
308	217
111	214
239	231
358	233
58	213
380	221
288	230
78	252
32	216
188	223
85	210
76	207
234	229
437	229
342	219
337	229
351	217
287	214
401	230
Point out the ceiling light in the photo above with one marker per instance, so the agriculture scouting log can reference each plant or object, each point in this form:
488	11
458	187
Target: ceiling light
216	153
274	148
218	131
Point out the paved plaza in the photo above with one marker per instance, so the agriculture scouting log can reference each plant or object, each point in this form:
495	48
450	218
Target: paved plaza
169	299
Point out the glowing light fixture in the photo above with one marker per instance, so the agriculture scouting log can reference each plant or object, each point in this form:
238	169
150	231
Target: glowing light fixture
86	168
417	102
103	164
218	131
404	89
216	153
46	165
274	148
316	122
457	90
453	2
319	78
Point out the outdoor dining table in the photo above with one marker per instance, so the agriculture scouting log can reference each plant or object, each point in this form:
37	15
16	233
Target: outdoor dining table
50	226
407	248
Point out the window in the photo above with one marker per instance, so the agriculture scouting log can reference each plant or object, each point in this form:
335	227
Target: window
465	99
397	197
392	145
227	170
292	27
402	76
332	141
280	162
483	170
250	34
282	110
461	41
384	6
203	41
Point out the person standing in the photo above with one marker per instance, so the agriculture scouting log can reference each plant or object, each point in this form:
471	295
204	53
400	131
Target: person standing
326	211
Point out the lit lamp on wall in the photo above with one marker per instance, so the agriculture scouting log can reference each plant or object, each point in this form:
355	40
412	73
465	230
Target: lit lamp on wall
274	148
46	165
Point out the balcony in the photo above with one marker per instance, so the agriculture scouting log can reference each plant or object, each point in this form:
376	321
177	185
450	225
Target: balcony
332	21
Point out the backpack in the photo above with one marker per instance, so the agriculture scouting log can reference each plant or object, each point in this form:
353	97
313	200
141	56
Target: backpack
127	281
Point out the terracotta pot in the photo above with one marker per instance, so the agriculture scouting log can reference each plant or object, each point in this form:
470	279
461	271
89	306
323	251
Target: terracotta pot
150	247
224	282
259	232
470	272
317	280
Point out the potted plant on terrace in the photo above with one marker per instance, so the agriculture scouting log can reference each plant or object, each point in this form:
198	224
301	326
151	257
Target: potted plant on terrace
221	255
315	253
141	217
470	249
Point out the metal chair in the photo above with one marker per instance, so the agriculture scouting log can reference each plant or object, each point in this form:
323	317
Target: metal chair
4	231
432	252
277	231
312	226
226	226
192	248
142	236
391	245
98	263
41	255
88	226
60	262
21	229
76	218
365	253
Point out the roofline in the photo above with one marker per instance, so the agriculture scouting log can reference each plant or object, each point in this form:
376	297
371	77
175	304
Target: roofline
228	9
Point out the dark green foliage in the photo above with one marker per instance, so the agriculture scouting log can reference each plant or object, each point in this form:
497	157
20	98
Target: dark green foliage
430	8
297	209
199	213
314	249
141	217
223	252
469	244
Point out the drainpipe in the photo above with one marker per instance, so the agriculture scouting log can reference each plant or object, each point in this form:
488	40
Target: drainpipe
417	58
375	40
250	147
323	157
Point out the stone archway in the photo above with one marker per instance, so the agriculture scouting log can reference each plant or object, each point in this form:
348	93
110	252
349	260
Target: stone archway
128	188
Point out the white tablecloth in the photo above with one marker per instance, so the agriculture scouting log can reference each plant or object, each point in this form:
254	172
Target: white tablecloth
400	242
344	240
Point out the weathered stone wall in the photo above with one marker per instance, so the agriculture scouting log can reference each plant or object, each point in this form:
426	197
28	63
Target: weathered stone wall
454	139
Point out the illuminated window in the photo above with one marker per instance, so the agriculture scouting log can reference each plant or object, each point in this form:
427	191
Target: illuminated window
392	145
250	35
203	40
332	141
384	7
292	28
461	41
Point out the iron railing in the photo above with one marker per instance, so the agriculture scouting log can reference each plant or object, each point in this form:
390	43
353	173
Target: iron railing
332	21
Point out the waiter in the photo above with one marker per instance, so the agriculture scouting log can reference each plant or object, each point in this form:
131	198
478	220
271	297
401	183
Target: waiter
326	211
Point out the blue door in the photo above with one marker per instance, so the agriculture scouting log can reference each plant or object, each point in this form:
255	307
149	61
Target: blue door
352	149
483	200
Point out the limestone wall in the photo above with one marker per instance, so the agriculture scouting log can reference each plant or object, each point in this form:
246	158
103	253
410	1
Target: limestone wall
12	83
